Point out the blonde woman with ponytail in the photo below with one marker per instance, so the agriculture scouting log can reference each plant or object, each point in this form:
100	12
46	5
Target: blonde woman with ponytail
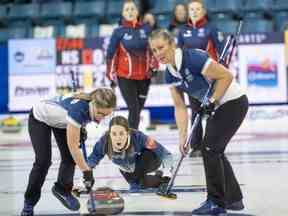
64	116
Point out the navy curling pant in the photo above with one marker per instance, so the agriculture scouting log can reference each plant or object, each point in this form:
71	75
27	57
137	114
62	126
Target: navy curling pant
222	185
146	162
134	93
40	134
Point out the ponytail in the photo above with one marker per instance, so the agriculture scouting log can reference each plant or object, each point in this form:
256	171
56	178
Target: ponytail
101	97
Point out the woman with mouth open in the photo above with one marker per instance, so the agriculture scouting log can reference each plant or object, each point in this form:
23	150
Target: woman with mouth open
135	153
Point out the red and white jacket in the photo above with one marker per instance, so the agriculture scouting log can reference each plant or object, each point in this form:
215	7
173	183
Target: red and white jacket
128	53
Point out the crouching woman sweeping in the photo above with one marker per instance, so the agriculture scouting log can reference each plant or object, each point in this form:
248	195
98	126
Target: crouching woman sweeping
135	154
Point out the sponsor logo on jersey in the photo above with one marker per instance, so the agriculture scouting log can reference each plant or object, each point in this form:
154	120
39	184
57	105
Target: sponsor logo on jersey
127	36
188	33
201	32
142	33
74	101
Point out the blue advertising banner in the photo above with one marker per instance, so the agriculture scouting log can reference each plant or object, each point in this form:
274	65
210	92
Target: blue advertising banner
3	78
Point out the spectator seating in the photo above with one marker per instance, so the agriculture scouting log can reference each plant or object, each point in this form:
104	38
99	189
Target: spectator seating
3	12
18	32
281	20
24	11
257	25
89	9
58	26
4	34
226	25
56	10
114	8
280	5
231	7
93	31
17	18
163	7
258	6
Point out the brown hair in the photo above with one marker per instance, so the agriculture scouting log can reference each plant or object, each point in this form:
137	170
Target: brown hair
101	97
116	120
162	33
174	10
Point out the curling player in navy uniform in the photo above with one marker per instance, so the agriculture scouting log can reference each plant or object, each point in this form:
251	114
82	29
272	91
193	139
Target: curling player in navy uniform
193	71
63	116
142	161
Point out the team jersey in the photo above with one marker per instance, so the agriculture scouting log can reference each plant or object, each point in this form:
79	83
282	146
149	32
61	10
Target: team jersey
126	160
202	35
188	77
59	110
128	53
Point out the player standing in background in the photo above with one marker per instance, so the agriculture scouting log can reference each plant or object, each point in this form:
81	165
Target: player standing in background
179	18
193	72
149	18
64	116
198	33
129	61
134	153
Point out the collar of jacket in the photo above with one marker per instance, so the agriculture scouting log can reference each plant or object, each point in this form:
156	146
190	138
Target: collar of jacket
131	24
176	24
200	23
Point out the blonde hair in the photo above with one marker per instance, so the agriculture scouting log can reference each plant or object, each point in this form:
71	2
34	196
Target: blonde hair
166	35
199	1
129	1
102	97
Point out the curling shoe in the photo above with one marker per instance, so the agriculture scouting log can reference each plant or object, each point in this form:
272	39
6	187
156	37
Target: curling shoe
134	187
66	198
235	206
27	210
209	208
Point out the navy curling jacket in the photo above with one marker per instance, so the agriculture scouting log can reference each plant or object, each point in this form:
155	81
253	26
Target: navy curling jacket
202	36
126	160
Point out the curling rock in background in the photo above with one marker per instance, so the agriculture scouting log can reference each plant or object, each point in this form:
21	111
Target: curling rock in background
10	125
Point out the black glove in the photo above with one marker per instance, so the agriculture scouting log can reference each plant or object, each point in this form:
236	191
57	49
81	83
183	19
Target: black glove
113	84
83	135
88	179
154	73
208	108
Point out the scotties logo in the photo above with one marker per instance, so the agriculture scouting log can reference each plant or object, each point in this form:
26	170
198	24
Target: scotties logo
263	73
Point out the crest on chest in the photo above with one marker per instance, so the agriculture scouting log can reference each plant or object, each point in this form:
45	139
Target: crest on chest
127	36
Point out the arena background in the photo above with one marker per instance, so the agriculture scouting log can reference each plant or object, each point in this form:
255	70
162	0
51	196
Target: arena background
42	41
